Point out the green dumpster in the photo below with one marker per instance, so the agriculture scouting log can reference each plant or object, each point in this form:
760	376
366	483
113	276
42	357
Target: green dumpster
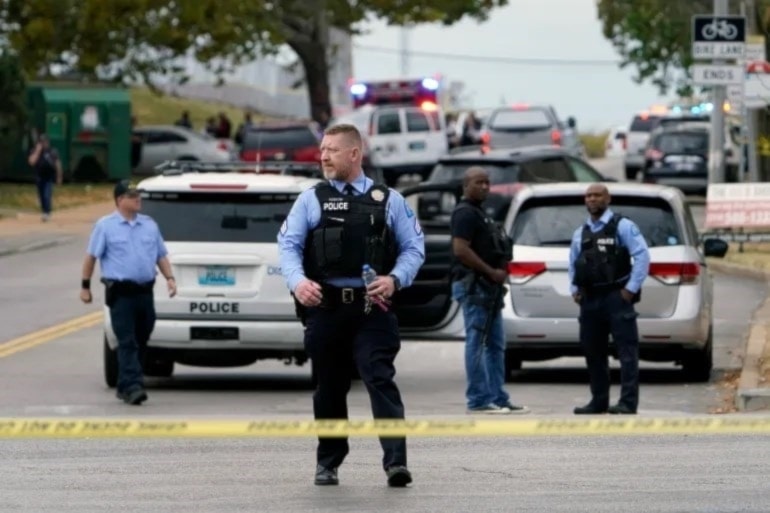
90	127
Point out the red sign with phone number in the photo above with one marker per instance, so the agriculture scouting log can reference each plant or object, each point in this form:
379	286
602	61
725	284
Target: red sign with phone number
738	205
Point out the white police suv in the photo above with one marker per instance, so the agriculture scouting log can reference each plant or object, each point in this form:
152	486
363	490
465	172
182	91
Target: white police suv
232	307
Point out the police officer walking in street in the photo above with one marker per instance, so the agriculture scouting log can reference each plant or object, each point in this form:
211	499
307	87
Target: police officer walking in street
129	246
606	283
332	231
481	251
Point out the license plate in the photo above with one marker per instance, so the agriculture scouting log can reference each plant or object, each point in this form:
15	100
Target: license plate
417	145
218	333
216	276
685	166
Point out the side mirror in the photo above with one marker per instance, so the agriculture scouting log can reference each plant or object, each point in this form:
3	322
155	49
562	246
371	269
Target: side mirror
571	122
715	248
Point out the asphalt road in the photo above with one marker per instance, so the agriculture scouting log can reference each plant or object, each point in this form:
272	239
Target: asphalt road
63	378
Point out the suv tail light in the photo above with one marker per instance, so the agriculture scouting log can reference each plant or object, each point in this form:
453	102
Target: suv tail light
556	138
522	272
675	273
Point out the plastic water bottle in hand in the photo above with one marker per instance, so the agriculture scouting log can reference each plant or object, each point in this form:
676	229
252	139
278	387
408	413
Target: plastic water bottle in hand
368	275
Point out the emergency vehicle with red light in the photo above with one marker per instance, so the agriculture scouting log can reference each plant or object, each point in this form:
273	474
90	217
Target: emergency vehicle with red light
402	123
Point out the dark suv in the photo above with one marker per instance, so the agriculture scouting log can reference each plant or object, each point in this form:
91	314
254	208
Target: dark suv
508	170
284	141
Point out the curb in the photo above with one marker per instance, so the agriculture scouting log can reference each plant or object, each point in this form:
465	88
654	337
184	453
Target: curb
750	396
34	246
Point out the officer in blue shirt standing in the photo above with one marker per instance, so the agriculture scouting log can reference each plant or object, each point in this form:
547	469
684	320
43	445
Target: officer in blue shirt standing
332	231
606	283
129	246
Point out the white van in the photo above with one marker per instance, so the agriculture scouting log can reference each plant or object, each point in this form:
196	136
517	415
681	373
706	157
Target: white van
400	139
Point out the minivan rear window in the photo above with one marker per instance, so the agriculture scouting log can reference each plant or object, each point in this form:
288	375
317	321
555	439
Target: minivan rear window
551	222
218	217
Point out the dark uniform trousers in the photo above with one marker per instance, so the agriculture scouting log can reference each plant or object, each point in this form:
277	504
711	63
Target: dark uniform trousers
132	312
601	314
335	338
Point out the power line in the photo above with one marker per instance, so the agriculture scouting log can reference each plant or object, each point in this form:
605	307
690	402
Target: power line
489	58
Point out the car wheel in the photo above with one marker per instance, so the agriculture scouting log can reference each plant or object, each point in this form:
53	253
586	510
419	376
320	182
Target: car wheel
110	365
512	363
697	365
158	368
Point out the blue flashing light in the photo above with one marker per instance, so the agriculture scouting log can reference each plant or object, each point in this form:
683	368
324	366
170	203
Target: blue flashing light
677	110
430	83
695	109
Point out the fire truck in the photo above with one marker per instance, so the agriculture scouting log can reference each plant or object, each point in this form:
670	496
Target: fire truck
402	123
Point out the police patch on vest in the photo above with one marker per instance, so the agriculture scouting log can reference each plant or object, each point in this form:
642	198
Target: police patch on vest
335	206
378	195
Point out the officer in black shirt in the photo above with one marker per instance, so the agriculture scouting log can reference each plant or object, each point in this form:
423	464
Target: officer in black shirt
481	252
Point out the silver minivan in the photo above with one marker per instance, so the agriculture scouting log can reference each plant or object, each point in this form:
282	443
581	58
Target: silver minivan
675	311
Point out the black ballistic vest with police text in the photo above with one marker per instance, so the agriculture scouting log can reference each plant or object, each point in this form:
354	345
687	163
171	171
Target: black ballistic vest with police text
353	231
603	263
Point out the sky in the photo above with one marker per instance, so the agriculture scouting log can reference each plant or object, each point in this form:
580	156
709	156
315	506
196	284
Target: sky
598	96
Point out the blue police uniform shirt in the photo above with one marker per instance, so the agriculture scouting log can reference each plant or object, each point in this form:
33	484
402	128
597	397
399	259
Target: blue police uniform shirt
629	236
127	250
305	215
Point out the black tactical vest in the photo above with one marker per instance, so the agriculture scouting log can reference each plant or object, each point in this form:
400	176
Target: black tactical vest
603	263
492	244
353	231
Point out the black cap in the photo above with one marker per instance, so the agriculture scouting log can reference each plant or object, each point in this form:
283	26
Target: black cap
125	187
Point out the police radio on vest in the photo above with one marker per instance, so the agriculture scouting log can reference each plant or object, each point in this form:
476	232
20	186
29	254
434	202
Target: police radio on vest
335	205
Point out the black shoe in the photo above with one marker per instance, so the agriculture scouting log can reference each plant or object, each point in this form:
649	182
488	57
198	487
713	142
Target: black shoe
398	476
621	409
136	396
589	409
326	476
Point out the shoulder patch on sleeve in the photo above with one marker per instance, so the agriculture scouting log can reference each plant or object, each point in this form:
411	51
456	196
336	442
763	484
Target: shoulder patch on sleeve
284	226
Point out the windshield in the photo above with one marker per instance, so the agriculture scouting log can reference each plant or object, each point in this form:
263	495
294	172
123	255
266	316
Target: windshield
530	119
498	172
217	217
682	142
553	221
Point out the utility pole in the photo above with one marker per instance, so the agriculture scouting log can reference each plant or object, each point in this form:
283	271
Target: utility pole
404	44
717	149
751	115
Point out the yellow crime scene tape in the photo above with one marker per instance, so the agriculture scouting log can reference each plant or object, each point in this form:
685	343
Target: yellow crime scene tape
28	428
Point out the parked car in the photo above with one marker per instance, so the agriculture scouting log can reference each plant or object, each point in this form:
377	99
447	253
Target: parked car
159	143
637	137
232	308
679	156
296	141
675	312
509	170
523	125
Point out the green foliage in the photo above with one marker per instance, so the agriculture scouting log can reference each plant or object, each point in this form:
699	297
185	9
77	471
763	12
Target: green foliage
654	36
594	144
143	39
13	112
